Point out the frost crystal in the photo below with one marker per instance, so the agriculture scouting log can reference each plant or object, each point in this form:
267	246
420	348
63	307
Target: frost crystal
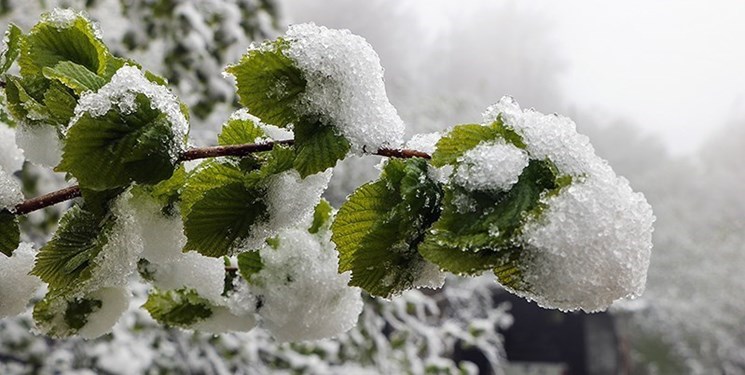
121	92
493	165
10	190
40	144
304	298
17	287
345	86
60	18
11	157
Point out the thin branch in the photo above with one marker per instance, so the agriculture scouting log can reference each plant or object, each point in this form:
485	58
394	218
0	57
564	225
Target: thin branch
59	196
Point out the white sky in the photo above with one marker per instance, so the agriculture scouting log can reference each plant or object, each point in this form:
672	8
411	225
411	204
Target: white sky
675	67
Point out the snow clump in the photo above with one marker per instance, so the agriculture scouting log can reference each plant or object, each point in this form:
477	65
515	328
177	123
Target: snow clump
17	287
493	165
122	90
302	295
591	244
40	143
11	157
345	86
10	191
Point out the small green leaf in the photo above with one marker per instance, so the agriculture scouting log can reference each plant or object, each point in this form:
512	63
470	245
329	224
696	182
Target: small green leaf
207	176
239	131
11	49
177	308
269	84
317	147
99	202
477	231
47	44
168	192
116	149
60	103
465	137
321	216
223	218
24	97
67	259
249	264
378	230
74	76
10	234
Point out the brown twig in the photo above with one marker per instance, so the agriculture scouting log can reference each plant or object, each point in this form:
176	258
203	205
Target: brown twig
195	153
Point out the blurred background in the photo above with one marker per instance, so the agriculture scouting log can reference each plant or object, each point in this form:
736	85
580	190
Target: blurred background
658	86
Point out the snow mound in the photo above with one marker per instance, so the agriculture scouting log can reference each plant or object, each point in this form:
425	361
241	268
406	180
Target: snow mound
493	165
40	143
303	297
11	157
345	86
17	287
10	190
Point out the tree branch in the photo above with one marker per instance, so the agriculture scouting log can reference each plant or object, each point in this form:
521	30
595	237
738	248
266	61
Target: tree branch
59	196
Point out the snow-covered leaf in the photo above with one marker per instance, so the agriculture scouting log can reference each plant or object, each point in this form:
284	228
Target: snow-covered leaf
117	149
67	258
477	229
222	218
465	137
58	317
11	49
318	147
50	42
269	84
239	131
377	231
177	308
10	235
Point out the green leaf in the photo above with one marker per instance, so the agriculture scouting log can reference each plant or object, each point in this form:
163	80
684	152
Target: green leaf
239	131
74	76
317	147
177	308
465	137
12	47
168	192
59	316
269	84
24	96
208	175
60	103
477	231
249	264
116	149
99	202
10	234
321	216
46	45
223	218
67	259
378	230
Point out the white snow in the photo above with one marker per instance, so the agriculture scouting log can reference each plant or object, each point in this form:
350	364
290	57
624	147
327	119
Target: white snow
551	137
590	247
17	287
10	190
11	157
290	201
493	165
345	86
304	298
40	143
118	258
122	90
60	18
163	239
114	302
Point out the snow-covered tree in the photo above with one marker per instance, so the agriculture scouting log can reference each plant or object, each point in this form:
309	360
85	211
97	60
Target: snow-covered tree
244	237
